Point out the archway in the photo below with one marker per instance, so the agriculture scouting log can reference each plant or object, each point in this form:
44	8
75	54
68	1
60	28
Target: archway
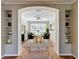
48	12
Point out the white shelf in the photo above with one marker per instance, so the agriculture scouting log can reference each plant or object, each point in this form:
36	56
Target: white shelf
8	18
67	18
68	28
8	27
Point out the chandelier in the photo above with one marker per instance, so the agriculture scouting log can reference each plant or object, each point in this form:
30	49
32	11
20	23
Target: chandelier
37	17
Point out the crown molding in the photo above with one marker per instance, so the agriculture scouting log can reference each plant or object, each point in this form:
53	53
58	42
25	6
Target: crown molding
37	2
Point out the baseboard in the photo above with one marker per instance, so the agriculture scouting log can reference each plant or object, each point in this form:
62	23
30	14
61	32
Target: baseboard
74	56
10	54
2	56
65	54
68	55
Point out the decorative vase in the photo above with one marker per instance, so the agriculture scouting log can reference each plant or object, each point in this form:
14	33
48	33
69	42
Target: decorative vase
9	41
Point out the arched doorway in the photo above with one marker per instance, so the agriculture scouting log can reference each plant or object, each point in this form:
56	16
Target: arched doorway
47	14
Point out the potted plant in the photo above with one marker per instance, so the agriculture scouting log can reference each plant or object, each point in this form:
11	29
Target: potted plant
47	30
47	34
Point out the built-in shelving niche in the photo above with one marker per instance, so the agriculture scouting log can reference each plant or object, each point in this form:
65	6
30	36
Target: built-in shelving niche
68	26
8	18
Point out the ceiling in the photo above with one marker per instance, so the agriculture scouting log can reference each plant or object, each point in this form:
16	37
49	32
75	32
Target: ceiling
32	15
42	14
38	1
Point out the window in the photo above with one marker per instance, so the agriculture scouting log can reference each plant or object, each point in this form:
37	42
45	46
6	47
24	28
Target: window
38	29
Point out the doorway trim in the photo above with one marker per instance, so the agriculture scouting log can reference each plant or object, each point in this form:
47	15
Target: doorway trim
32	8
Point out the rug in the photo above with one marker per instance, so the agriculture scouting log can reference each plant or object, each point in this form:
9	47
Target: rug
39	48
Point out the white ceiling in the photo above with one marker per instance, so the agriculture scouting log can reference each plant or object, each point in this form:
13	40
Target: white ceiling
44	15
32	15
38	1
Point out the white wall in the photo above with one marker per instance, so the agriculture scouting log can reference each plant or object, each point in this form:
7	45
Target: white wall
2	30
75	29
63	47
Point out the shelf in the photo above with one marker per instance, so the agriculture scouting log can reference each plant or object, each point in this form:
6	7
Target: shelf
68	26
68	42
67	21
8	19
